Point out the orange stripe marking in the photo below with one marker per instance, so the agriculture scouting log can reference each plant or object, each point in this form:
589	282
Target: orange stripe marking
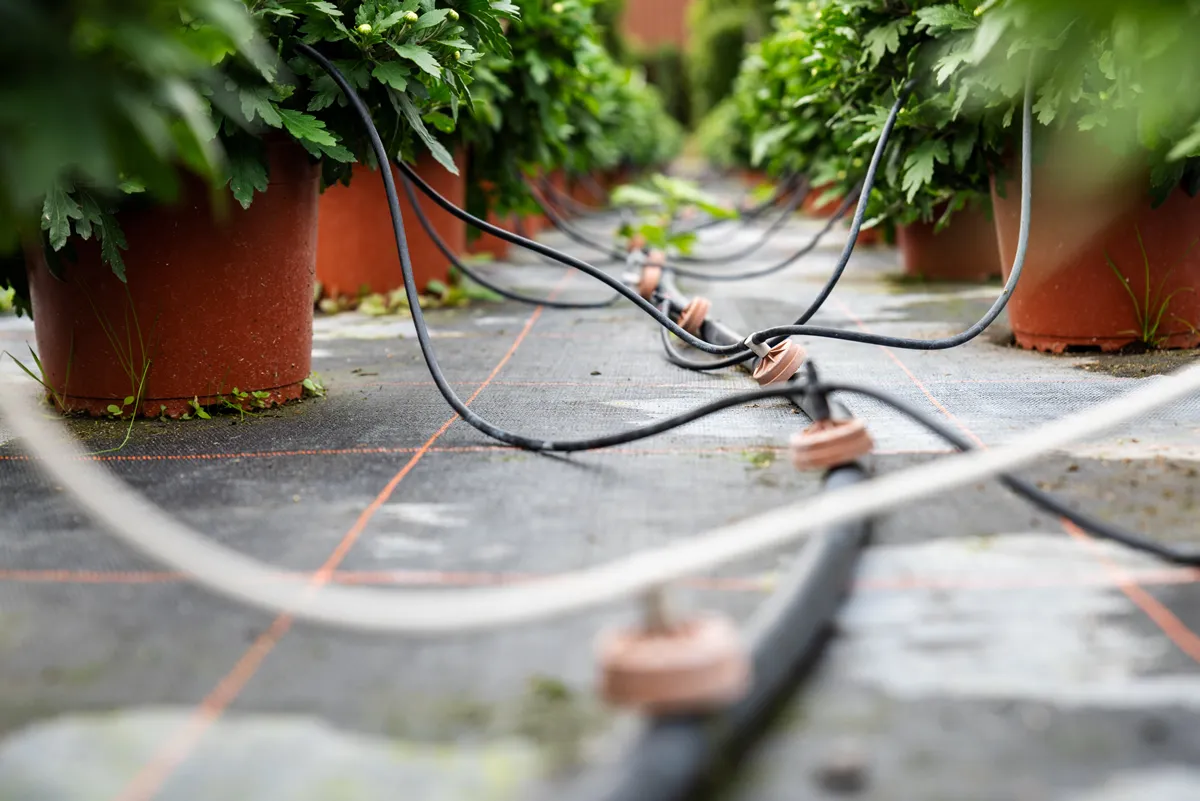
1183	637
151	778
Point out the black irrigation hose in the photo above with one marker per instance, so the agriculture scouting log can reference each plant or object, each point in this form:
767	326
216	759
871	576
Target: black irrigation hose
1098	528
672	758
499	290
556	255
480	423
773	336
760	241
778	334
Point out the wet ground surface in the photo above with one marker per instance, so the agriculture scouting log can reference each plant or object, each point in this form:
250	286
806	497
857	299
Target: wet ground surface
986	653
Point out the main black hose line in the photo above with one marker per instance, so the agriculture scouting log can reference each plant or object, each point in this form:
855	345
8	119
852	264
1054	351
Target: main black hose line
1100	529
778	334
441	245
675	758
557	255
773	336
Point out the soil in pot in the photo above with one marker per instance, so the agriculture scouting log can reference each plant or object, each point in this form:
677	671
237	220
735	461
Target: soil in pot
965	250
214	300
356	249
1105	270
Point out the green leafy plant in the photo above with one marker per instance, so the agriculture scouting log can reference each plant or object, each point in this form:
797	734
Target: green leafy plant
1114	72
559	102
242	79
818	91
658	203
1152	307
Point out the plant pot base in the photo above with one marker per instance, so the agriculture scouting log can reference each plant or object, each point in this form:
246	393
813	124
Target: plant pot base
174	408
1060	344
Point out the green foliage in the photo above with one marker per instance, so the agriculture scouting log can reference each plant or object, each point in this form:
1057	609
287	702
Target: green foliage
1121	72
664	69
817	92
97	91
720	31
715	54
561	101
659	202
103	99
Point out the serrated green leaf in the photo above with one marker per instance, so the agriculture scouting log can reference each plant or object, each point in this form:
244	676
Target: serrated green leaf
964	146
112	242
943	18
306	127
393	74
58	209
883	40
256	102
419	56
431	18
403	104
247	174
918	167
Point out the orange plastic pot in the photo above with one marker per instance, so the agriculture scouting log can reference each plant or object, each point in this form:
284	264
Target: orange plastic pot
530	225
356	249
486	243
965	250
1070	296
214	300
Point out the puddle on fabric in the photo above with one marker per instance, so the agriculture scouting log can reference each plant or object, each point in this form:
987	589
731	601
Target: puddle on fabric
441	515
285	758
1163	783
731	424
391	546
1081	644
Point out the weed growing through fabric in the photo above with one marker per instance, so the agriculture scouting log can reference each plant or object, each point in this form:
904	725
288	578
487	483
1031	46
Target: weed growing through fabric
1152	307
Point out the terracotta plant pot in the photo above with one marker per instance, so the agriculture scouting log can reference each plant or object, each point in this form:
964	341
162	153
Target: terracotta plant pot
486	243
965	250
356	250
214	300
824	210
1069	296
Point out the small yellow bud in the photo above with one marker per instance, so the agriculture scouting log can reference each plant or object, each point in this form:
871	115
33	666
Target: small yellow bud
411	17
453	15
364	28
557	8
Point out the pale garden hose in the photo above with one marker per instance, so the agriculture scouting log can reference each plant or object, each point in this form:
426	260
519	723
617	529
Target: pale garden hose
133	519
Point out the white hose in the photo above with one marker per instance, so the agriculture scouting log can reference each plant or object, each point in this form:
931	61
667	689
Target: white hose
131	518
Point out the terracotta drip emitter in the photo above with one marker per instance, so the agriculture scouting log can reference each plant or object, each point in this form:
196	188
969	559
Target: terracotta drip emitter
694	315
674	667
651	274
827	443
779	363
830	443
